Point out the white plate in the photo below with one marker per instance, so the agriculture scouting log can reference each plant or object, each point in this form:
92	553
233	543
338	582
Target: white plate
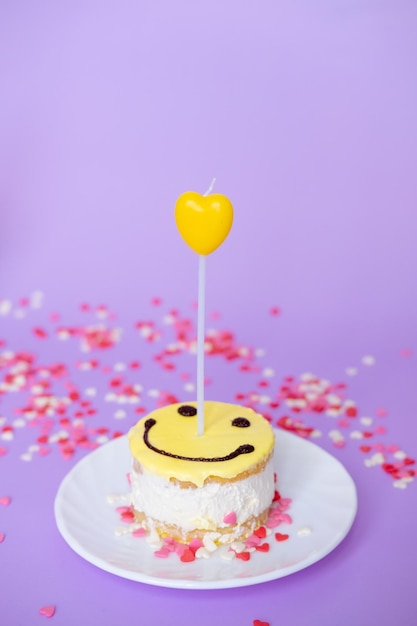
323	509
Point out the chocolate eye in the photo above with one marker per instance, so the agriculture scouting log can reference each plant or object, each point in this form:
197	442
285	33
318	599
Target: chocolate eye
241	422
187	411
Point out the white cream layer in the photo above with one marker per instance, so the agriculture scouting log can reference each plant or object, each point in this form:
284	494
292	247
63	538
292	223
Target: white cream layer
203	507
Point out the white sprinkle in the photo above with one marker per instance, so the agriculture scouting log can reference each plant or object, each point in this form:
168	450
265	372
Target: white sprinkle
33	448
335	435
153	393
375	459
264	399
5	307
351	371
366	421
168	319
120	414
238	546
119	367
26	456
260	352
268	372
91	392
102	439
202	553
36	389
400	454
36	299
368	360
305	531
400	484
209	544
356	434
3	420
115	498
189	387
228	555
333	412
7	435
63	334
119	531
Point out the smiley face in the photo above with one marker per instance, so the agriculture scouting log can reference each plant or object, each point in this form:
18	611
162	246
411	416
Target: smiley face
235	438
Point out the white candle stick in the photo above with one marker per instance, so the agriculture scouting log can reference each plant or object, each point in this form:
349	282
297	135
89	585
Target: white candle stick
200	342
201	333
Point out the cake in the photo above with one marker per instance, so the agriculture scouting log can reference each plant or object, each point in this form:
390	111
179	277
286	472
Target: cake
217	487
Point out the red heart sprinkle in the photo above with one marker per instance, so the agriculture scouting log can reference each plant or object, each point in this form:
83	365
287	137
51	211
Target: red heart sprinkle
244	556
260	532
365	448
277	496
187	555
257	622
47	611
281	537
263	547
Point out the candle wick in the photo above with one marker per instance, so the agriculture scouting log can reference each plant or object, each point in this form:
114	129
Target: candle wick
210	189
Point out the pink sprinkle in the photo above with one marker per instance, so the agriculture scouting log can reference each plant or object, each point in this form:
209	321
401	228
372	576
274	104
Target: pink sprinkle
180	549
195	544
230	519
139	532
2	537
5	500
406	352
3	451
47	611
252	541
163	553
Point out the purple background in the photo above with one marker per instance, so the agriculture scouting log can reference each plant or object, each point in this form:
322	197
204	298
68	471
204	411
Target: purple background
305	114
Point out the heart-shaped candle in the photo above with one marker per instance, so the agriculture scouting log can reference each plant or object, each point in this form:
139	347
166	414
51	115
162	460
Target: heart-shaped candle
203	221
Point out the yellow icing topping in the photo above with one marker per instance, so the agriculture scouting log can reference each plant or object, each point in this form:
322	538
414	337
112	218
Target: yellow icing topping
176	434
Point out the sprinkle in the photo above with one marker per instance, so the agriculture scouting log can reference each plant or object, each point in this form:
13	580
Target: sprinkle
368	360
305	531
187	556
258	622
351	371
162	553
2	537
230	519
263	547
47	611
260	532
244	556
5	500
281	537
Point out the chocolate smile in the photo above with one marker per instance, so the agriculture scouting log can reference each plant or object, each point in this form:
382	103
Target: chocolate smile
244	449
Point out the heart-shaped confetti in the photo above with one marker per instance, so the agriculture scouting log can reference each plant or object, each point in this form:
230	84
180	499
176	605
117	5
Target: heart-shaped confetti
47	611
281	536
5	500
230	519
258	622
203	221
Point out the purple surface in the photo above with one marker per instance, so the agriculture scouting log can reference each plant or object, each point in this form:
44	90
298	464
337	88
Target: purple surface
305	114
